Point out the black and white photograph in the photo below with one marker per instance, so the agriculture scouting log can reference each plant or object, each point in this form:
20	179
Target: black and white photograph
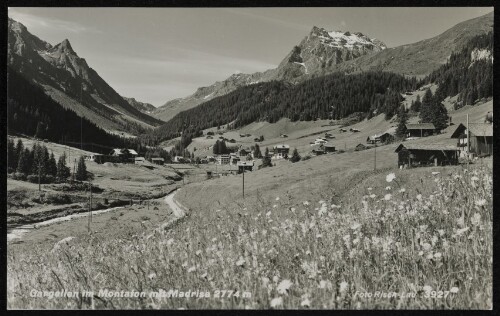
261	158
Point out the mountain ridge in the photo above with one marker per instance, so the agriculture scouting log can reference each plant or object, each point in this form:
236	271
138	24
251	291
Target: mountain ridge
69	80
400	59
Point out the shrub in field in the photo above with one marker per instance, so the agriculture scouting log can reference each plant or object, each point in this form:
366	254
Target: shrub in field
19	176
56	198
411	231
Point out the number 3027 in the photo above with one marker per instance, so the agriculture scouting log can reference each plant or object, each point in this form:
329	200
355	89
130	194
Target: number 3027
436	294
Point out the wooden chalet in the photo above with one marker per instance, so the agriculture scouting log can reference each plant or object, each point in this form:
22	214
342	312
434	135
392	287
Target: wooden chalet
480	138
412	155
420	130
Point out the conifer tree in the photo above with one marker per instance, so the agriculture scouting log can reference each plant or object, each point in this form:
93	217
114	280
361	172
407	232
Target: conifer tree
402	120
23	165
295	156
257	153
63	172
426	107
81	170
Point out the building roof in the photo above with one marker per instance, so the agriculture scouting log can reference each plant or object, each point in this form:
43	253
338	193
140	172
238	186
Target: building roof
132	152
420	126
283	146
426	147
157	159
476	129
245	163
481	129
140	158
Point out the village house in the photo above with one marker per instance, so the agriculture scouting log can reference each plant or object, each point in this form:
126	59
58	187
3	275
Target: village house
139	160
245	166
329	148
281	151
420	130
244	152
360	147
411	155
98	158
318	150
329	136
223	159
354	130
179	159
233	159
384	138
480	139
158	160
124	155
320	141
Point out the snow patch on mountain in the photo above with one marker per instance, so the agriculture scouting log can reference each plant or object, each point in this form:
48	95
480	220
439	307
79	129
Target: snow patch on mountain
481	54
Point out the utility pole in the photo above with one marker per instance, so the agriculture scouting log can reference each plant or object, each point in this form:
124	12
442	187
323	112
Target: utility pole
74	170
243	181
39	176
468	148
375	157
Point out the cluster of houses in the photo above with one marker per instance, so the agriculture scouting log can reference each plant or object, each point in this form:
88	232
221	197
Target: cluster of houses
123	155
479	143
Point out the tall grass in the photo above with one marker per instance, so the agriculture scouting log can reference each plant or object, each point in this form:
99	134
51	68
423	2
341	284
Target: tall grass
421	232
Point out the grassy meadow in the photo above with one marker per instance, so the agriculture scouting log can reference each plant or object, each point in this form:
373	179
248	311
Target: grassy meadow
426	231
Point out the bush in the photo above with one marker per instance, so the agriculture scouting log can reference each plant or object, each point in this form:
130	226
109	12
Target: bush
19	176
33	178
54	198
307	157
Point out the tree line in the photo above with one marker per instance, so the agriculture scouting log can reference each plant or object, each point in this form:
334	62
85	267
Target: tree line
470	79
333	96
36	164
33	113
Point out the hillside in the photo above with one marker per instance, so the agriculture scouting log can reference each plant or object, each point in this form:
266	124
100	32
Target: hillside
141	106
71	82
33	113
323	52
333	96
319	51
421	58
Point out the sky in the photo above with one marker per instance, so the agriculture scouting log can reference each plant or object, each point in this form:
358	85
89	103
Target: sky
159	54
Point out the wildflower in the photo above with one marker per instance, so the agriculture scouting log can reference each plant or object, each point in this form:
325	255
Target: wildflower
387	188
265	281
461	221
318	236
387	197
305	203
276	302
441	232
474	178
420	253
152	276
170	241
355	226
454	289
373	196
419	197
240	262
325	284
277	198
435	173
275	206
344	285
275	279
437	255
305	302
427	288
427	246
284	286
268	214
198	252
204	275
192	269
430	256
390	177
476	219
461	231
480	202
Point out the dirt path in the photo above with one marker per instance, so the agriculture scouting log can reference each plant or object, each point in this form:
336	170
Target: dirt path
18	233
176	208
